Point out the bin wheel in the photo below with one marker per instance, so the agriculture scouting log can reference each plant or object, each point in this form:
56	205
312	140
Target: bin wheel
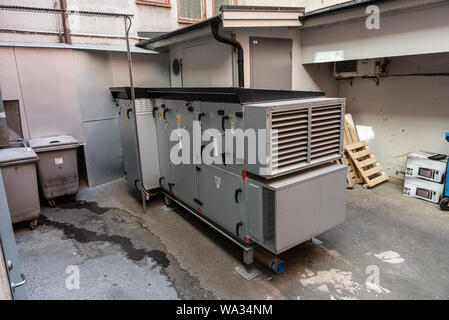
33	224
52	203
444	204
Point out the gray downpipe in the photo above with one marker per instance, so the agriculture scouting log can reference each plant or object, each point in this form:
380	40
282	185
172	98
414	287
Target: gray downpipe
214	26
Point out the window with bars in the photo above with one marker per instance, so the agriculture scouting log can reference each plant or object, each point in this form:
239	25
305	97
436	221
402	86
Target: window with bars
190	10
219	3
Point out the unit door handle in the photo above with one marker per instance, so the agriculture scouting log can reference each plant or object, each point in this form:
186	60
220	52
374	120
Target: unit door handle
165	113
223	122
237	191
19	284
237	228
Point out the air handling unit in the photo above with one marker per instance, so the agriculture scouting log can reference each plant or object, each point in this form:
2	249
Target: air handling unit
293	192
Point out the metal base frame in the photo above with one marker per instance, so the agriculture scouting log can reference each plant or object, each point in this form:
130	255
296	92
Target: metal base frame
248	249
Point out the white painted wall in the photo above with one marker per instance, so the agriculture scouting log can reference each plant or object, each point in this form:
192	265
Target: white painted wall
309	5
205	63
307	78
405	113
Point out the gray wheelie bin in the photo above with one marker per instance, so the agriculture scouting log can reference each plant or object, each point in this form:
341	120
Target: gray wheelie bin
18	167
57	167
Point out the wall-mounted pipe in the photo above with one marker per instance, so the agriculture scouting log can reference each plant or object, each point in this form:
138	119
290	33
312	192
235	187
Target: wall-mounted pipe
215	25
65	23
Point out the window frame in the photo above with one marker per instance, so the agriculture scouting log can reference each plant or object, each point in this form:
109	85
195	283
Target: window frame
213	7
157	3
189	20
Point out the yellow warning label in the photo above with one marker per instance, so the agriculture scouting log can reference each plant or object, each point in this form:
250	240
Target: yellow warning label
178	120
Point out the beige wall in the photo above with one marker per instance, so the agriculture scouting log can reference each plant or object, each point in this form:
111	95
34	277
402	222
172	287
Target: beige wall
147	18
307	78
404	113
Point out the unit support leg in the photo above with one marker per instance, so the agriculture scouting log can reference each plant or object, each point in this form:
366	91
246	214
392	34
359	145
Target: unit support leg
248	256
144	201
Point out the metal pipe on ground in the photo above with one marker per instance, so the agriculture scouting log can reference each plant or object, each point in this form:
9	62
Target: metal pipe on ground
269	260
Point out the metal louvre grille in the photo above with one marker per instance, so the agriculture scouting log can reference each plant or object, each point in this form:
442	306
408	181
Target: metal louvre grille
326	131
305	136
289	139
143	106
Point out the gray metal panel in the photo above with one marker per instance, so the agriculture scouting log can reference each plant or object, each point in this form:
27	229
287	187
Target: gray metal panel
22	191
58	173
182	176
254	204
128	142
256	118
94	78
217	189
234	123
271	63
146	129
53	143
8	243
10	156
104	153
310	206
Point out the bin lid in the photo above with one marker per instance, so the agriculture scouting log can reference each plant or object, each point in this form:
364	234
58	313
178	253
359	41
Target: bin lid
53	143
11	156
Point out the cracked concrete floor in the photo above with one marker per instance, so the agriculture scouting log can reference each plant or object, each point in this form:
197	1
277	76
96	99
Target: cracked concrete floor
389	247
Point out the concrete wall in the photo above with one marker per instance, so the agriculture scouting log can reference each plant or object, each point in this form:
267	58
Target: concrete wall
404	113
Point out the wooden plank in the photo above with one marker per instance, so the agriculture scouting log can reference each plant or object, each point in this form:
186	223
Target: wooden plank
372	160
372	171
356	145
349	123
376	181
360	154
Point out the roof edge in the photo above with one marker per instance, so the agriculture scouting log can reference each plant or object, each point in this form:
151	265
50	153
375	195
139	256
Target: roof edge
260	8
340	7
177	32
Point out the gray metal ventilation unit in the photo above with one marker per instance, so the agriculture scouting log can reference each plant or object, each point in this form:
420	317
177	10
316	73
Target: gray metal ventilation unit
297	194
